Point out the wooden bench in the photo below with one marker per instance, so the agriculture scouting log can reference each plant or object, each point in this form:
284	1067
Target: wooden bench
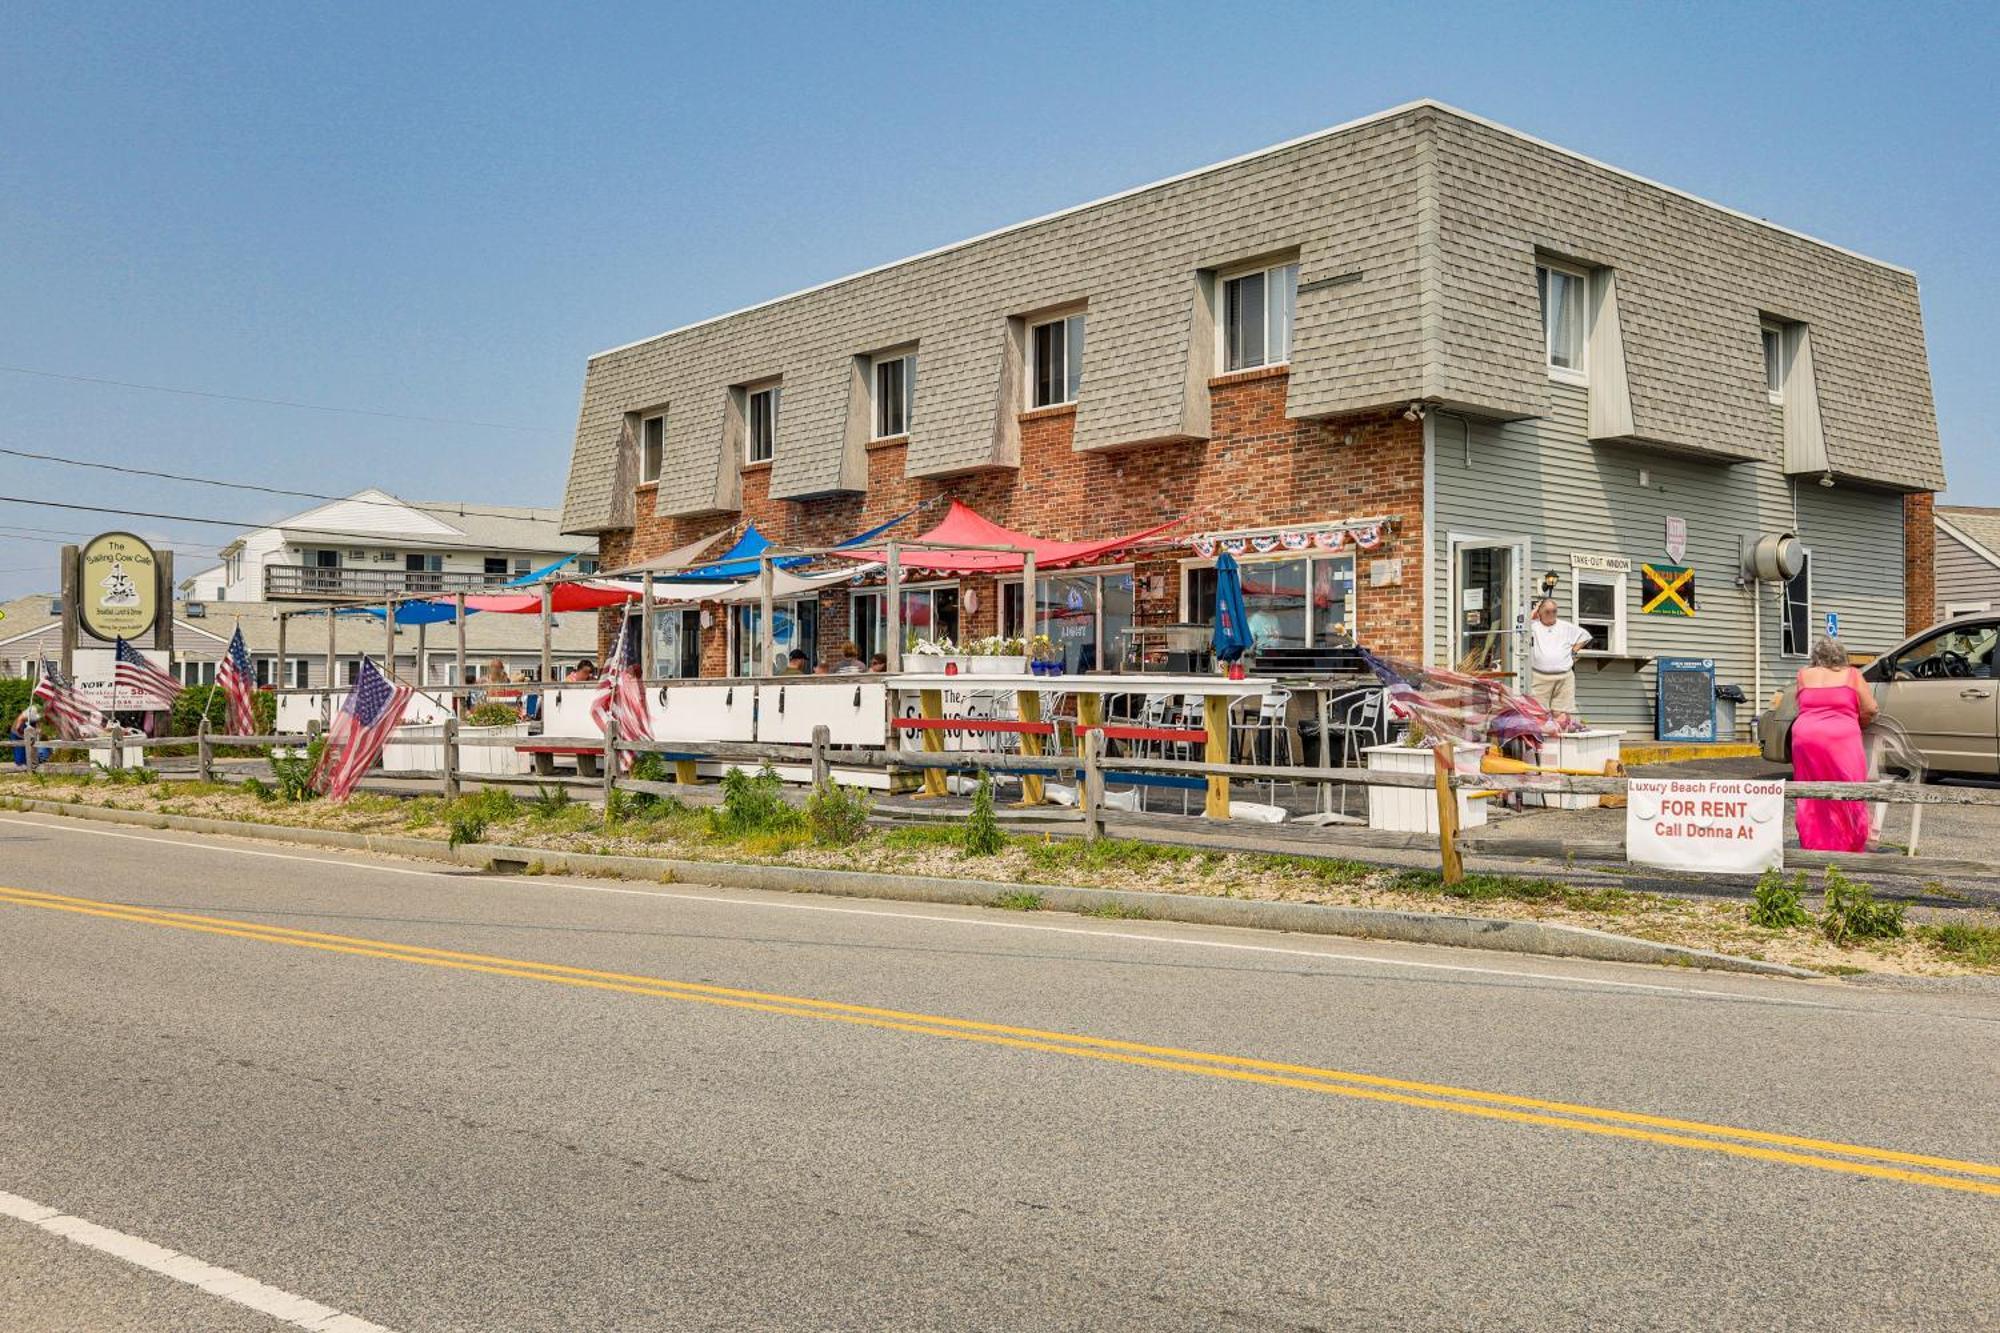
589	760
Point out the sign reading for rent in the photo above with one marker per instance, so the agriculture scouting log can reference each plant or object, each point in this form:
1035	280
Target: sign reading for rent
1704	824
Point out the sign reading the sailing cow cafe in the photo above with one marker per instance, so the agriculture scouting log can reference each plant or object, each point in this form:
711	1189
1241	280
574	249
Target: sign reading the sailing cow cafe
118	590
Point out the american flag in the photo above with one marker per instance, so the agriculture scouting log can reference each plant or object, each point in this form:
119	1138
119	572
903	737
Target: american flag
135	675
370	712
1464	707
239	685
75	717
621	693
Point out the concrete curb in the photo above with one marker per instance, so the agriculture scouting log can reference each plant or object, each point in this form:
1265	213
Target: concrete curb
1465	932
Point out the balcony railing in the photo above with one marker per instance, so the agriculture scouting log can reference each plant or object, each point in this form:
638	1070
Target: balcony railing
310	581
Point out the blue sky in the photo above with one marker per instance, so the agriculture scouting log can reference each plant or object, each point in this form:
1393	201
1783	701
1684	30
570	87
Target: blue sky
442	211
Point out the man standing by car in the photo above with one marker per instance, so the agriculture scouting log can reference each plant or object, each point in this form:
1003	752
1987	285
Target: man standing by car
1552	649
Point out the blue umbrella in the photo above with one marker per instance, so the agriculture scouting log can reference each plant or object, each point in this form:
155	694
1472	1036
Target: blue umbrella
1232	620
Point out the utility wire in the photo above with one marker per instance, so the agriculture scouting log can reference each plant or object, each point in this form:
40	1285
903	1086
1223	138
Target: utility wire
238	524
275	402
456	511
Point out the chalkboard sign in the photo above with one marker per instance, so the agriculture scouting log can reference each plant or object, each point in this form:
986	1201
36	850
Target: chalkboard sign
1686	710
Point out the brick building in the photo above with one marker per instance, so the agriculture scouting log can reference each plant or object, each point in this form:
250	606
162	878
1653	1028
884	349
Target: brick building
1421	358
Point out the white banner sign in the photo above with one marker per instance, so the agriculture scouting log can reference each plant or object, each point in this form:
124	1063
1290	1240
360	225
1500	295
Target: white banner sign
97	681
1702	824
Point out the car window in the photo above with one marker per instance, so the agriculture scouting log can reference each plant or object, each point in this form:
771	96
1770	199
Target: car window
1955	652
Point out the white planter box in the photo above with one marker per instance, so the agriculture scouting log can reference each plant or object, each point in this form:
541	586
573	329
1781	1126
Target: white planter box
995	666
1582	750
496	759
414	749
128	755
1414	809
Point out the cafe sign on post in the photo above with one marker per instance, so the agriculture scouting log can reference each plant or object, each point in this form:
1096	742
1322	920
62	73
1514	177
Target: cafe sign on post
118	587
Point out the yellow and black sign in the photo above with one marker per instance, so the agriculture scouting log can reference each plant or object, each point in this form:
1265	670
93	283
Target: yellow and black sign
118	587
1666	590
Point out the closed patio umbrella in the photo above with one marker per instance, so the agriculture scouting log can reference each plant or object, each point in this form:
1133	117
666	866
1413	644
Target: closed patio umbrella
1231	636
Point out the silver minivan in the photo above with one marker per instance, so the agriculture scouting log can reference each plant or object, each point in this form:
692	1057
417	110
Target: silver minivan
1938	687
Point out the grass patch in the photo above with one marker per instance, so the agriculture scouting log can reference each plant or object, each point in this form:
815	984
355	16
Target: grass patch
920	837
1325	869
752	806
1067	856
1020	900
1116	912
837	816
1975	946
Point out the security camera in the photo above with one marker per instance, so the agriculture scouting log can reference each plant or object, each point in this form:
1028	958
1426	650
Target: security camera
1414	412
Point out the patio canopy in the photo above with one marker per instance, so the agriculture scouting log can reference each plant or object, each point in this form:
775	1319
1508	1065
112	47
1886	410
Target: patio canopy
964	527
413	613
741	560
787	586
674	561
587	595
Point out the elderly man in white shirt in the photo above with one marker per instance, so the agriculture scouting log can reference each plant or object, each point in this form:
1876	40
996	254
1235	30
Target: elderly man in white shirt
1552	647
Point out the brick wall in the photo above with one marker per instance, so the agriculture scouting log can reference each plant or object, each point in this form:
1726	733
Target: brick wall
1920	606
1259	468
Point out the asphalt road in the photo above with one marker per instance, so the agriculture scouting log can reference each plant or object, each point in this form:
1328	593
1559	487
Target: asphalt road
373	1085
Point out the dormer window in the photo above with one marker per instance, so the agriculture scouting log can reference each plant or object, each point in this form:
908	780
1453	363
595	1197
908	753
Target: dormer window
895	394
1564	295
761	437
1257	317
652	447
1777	359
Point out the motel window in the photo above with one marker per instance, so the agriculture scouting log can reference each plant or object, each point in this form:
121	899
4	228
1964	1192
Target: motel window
927	613
295	672
495	567
895	394
652	447
1798	610
762	435
793	625
1057	348
1292	603
1600	609
189	672
1565	318
1257	317
1777	359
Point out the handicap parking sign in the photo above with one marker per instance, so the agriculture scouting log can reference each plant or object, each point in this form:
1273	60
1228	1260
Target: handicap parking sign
1833	624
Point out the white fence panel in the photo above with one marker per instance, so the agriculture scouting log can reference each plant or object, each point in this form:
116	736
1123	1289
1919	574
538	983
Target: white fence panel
853	709
704	712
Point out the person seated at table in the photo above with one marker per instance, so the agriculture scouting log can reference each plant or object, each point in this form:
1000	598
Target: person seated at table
879	662
823	669
850	662
585	669
797	663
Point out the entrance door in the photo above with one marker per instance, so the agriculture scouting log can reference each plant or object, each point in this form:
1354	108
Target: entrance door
1487	613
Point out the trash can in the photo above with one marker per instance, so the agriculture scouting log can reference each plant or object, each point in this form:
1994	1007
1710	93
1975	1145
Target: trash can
1727	697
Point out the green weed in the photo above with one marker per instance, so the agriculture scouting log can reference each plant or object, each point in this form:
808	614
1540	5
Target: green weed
980	835
1853	914
1777	903
837	816
1021	900
752	805
1976	946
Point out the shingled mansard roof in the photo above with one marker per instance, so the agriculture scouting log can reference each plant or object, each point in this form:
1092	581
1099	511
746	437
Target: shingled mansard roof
1416	232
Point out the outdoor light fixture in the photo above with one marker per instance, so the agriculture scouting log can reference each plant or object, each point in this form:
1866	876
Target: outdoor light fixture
1414	412
1549	582
1826	479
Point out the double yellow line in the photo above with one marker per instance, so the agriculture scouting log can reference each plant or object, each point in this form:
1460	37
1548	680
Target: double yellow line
1821	1154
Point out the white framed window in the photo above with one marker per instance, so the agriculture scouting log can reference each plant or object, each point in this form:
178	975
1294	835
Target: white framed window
189	671
1798	610
794	625
1565	296
1293	601
1777	359
1055	352
895	394
761	428
652	447
1256	323
1598	607
929	611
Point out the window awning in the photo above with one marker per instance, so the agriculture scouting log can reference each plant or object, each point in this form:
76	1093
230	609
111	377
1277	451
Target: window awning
965	527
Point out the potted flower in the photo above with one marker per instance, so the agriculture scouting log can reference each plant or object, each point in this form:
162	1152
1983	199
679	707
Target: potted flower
938	654
1044	657
995	655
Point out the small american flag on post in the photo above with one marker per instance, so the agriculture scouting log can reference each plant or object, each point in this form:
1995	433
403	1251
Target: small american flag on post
622	694
75	717
370	712
135	675
239	685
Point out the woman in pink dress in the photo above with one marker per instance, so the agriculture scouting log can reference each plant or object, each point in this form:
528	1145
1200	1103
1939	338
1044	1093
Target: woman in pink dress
1834	705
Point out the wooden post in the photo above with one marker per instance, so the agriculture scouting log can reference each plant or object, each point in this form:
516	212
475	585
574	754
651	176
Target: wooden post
451	757
1090	789
72	588
163	627
278	672
389	637
892	618
767	629
1215	717
204	753
459	699
1028	704
332	671
423	666
1447	802
548	657
648	669
33	736
931	704
610	765
822	771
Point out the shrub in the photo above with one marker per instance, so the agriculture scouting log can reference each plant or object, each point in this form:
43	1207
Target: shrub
293	777
198	701
1777	903
465	826
260	789
550	800
753	805
492	715
14	694
981	835
837	816
1853	914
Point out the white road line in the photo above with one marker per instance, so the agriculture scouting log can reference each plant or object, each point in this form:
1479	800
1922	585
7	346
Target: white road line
1096	933
283	1306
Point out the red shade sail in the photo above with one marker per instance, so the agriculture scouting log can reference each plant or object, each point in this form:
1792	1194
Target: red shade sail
562	597
964	527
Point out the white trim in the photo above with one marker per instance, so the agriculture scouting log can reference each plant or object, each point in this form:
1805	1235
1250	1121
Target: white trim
661	467
1580	373
908	356
1953	610
1345	127
1029	380
1783	334
751	392
1264	268
1429	635
1785	611
1352	555
1956	533
1613	579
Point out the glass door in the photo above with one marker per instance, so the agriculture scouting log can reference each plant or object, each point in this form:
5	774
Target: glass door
1487	613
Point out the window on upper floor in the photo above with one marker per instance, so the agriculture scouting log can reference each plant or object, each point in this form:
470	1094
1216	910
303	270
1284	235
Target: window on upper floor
1056	347
895	393
1777	358
652	447
1256	321
761	433
1565	295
